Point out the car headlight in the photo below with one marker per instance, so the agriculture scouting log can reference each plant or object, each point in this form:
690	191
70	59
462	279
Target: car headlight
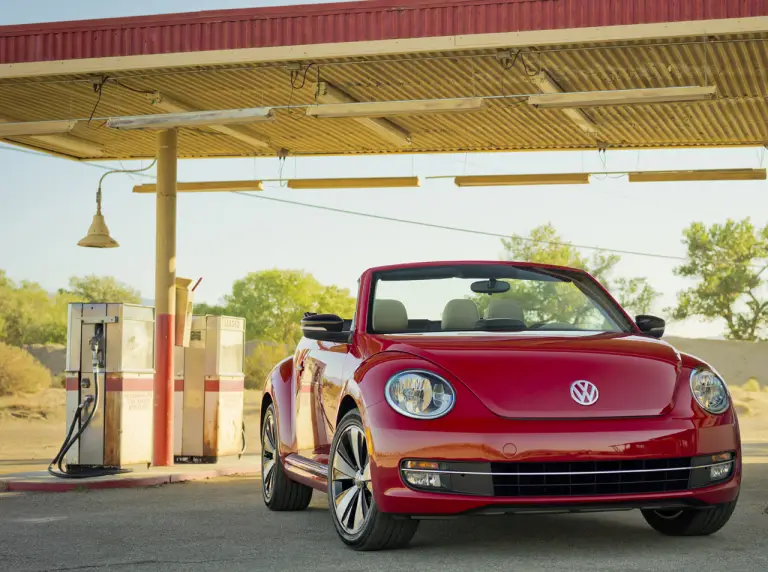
709	391
420	394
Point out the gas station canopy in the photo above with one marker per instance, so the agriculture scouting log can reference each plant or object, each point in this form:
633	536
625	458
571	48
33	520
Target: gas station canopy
487	58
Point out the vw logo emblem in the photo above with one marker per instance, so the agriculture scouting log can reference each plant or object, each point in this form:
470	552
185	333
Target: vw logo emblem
584	392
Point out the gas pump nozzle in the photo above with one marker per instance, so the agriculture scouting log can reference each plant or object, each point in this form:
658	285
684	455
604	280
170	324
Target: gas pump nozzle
95	344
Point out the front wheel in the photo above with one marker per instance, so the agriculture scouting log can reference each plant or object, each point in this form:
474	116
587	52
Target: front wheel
690	522
350	494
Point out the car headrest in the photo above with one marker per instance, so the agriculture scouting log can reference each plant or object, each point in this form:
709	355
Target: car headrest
460	315
389	316
506	309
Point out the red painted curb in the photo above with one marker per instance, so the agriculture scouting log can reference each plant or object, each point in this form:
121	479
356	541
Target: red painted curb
67	486
182	477
124	483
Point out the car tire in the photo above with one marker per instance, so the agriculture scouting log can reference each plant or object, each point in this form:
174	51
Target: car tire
690	522
357	519
278	491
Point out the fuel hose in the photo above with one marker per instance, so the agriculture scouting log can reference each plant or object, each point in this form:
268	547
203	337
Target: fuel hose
92	400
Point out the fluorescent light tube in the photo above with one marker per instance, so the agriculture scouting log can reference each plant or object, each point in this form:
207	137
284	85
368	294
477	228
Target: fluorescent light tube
33	128
521	180
621	97
206	187
385	108
361	183
702	175
193	119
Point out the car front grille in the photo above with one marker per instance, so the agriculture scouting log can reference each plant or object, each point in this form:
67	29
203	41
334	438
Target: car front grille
590	478
570	479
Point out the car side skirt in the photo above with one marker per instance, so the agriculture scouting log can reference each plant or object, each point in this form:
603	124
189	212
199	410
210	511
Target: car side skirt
307	472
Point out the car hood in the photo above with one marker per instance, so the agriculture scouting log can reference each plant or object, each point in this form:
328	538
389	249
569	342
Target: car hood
531	377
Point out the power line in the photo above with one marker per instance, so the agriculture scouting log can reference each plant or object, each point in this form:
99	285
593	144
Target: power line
47	156
458	229
403	221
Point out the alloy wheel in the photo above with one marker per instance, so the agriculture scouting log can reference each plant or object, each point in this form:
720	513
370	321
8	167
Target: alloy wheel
351	480
268	457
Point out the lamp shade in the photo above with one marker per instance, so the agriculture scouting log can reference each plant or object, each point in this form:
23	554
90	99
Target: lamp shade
98	235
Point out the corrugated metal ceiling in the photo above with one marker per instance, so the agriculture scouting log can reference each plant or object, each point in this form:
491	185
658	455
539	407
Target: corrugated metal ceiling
738	117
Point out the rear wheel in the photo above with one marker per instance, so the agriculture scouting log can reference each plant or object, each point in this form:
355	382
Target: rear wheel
350	494
690	522
278	491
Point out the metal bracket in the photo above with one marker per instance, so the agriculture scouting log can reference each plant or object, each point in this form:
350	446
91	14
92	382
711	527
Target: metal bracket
100	320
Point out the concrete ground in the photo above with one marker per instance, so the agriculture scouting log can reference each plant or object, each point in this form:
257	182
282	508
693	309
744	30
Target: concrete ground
41	481
222	525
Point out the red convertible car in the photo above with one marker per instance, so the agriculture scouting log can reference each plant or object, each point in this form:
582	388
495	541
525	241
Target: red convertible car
494	387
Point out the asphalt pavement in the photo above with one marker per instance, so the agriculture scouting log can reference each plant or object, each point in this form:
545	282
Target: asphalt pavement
222	525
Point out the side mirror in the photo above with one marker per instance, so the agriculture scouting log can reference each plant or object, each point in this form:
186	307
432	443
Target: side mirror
324	328
651	326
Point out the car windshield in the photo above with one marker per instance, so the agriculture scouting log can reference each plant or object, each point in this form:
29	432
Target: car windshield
490	298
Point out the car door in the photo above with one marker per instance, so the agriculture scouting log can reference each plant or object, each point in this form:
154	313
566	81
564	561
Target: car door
320	375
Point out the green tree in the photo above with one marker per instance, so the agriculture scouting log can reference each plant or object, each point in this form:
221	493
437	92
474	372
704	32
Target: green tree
203	309
544	245
728	263
263	359
100	289
30	315
273	303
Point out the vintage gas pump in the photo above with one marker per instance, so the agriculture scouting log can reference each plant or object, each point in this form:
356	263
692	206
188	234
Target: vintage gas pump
109	381
208	397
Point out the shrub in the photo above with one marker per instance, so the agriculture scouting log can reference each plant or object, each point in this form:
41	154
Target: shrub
751	385
742	409
20	372
262	361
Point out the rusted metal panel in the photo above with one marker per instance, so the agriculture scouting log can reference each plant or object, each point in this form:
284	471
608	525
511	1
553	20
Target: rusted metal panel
113	428
342	22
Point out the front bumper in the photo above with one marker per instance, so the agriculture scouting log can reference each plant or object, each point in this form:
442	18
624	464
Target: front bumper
490	444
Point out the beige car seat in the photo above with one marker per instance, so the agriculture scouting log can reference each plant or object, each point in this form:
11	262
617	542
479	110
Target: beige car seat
389	316
460	315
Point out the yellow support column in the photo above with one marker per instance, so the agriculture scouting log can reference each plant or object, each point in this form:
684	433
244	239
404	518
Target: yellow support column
165	296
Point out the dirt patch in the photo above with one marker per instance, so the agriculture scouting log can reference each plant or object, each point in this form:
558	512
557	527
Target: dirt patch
46	405
752	409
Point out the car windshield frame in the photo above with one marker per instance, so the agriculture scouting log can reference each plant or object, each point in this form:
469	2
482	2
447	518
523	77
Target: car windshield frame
586	284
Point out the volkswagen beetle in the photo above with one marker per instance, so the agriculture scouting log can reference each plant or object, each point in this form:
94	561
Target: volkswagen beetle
493	387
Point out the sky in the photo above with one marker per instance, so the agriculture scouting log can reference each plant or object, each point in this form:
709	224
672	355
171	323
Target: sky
47	204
